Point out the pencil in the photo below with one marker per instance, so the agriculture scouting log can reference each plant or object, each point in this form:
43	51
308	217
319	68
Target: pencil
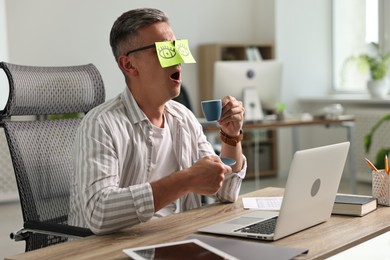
386	164
371	165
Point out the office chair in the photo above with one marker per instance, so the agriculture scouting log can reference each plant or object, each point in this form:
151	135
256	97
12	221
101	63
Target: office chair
41	149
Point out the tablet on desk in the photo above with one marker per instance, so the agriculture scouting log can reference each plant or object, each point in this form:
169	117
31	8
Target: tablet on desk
185	249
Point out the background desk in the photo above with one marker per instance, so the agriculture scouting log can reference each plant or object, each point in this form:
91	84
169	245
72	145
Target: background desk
346	122
336	235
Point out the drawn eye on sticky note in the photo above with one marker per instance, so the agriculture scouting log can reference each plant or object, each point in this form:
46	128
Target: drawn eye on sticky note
184	51
167	54
171	53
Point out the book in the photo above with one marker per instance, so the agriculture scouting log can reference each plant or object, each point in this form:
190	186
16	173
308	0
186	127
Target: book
253	54
354	205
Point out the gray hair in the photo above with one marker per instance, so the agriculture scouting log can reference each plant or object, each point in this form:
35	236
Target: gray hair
123	34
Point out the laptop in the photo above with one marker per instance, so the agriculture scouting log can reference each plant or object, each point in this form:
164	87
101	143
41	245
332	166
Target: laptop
309	195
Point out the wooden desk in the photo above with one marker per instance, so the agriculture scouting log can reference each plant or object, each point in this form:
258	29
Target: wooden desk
347	122
324	240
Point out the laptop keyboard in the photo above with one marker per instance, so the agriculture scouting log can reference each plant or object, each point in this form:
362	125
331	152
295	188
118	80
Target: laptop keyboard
264	227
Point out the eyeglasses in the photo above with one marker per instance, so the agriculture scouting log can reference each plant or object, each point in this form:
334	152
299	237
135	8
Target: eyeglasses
149	47
170	53
141	49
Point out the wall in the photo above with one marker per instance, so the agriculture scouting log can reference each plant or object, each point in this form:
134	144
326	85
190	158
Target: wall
303	43
67	32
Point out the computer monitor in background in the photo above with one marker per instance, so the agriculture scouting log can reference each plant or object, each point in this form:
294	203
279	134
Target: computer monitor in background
232	77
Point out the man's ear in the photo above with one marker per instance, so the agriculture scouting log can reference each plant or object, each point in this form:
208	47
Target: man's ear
126	65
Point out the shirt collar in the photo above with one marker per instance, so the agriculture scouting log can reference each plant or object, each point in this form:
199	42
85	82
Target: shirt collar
136	115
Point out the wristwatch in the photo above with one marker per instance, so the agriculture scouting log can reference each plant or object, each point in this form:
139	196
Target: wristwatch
233	141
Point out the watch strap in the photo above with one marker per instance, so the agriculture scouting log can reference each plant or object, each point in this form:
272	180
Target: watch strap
227	139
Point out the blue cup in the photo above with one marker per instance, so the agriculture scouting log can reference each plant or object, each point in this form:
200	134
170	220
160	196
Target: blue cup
212	109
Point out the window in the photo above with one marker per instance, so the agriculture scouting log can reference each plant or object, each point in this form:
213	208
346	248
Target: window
357	23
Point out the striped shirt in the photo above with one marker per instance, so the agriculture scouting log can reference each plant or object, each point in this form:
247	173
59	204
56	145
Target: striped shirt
110	188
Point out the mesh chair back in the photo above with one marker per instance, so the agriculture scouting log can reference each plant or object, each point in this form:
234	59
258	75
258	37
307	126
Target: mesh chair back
41	150
52	90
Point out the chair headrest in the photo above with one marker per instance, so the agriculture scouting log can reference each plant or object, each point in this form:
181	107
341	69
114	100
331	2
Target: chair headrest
37	90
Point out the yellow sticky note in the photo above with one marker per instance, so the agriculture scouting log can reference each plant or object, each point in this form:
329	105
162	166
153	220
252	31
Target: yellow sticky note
184	50
168	54
171	53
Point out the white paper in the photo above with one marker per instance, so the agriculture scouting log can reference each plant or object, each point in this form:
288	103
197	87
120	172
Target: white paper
375	248
262	203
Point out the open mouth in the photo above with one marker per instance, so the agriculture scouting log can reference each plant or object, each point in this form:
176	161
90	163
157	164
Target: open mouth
176	76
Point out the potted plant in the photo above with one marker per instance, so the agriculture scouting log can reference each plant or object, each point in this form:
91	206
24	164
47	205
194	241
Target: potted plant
377	65
380	155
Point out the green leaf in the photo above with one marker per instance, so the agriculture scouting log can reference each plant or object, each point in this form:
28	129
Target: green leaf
380	157
368	138
367	142
377	64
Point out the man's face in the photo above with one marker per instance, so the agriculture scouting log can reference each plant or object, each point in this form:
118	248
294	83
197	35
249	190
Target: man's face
156	83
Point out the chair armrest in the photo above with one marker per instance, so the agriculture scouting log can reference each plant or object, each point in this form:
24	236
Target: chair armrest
53	229
60	229
49	229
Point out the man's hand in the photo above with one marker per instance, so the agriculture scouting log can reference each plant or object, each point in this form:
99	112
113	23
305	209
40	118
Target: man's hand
232	117
207	175
231	122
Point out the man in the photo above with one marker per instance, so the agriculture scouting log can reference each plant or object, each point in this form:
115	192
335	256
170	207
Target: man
143	155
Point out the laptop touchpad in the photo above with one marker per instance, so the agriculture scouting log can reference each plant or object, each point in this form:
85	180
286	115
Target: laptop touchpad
243	221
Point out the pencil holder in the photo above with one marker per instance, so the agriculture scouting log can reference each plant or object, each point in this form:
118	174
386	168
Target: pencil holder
381	187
